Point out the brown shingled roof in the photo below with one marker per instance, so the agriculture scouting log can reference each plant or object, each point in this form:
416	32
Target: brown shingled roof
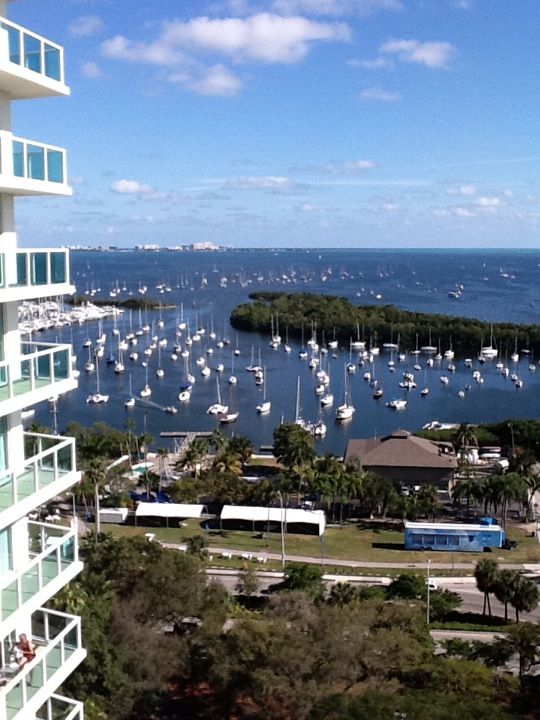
401	449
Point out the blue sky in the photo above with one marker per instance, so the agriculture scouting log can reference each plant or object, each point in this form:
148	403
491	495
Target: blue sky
299	123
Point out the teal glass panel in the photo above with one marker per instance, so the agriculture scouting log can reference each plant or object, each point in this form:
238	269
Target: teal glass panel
38	262
55	166
22	277
35	162
18	159
14	43
2	273
58	267
6	555
52	62
61	364
43	366
32	53
65	459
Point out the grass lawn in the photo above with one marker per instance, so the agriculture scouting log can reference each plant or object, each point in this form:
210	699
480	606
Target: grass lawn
351	542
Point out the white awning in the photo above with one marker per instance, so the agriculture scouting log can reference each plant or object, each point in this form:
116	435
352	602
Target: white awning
168	510
285	515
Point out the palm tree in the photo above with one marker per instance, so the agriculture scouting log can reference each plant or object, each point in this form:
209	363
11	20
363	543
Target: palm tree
486	573
504	588
95	473
512	487
465	437
525	595
342	593
193	456
217	440
242	446
468	489
228	463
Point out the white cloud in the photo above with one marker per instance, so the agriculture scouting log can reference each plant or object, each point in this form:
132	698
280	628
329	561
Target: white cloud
217	80
308	207
91	70
376	64
264	37
433	54
85	26
268	182
466	190
130	187
488	202
380	95
463	212
335	7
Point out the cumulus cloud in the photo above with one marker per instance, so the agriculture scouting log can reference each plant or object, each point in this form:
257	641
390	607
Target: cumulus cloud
85	26
217	80
91	69
375	64
265	37
488	202
131	187
463	212
380	95
335	7
267	182
463	190
433	54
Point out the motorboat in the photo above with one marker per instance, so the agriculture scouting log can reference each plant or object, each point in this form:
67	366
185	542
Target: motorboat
397	404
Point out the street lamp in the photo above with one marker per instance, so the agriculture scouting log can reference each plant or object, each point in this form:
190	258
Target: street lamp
428	591
282	524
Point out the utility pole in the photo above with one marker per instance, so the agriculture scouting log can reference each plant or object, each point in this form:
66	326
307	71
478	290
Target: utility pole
428	591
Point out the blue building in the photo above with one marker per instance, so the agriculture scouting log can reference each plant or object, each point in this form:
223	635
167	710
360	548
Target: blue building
453	536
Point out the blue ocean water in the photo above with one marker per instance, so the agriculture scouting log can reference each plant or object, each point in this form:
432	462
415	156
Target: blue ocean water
490	285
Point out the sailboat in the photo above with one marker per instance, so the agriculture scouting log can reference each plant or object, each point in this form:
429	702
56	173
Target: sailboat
130	402
159	372
345	411
89	365
97	397
232	378
298	420
218	408
266	405
146	391
119	364
489	351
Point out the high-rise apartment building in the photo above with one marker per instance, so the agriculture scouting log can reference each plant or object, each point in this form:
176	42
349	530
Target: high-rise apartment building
38	556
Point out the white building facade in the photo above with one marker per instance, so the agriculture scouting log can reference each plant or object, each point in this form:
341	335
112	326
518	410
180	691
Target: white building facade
37	558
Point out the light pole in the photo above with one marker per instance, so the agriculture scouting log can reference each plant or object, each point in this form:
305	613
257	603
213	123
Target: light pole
428	591
282	525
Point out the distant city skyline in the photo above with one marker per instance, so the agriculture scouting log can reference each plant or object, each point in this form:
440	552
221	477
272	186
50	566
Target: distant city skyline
290	123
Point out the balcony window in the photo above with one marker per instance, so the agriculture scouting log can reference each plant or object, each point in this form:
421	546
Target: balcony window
22	277
18	158
39	268
55	166
52	62
58	267
14	43
32	53
35	162
6	555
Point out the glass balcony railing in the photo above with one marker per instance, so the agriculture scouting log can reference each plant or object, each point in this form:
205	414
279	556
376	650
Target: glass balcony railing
57	639
33	52
60	708
41	365
49	459
52	554
36	161
42	267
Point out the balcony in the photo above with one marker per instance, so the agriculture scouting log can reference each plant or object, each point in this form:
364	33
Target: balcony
49	469
53	562
60	708
35	274
59	650
31	168
42	370
30	65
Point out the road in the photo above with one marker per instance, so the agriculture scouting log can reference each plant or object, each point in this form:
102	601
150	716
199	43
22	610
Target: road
471	599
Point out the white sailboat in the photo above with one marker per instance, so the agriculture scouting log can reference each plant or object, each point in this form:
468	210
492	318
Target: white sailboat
266	405
119	364
130	402
347	409
232	378
89	365
97	397
218	408
159	372
146	391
